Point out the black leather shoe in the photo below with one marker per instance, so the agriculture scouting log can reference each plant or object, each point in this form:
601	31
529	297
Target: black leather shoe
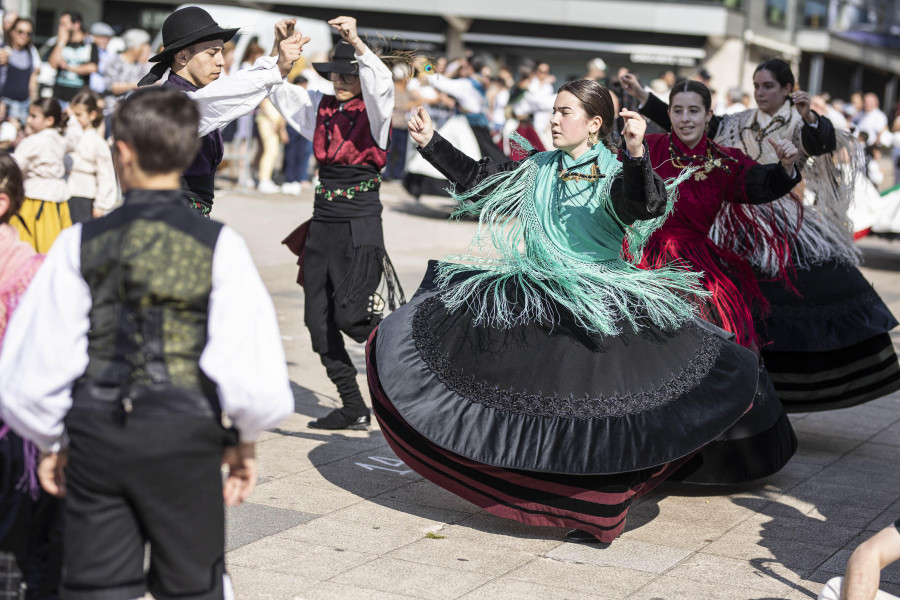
336	419
577	536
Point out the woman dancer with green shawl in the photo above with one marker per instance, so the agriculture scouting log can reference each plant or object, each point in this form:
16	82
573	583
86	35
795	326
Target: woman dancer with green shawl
549	381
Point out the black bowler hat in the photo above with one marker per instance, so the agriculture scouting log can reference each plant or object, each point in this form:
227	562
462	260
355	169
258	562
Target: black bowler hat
182	29
186	27
343	62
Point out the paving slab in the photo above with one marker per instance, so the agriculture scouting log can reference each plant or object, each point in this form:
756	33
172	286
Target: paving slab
284	555
584	578
251	521
505	588
259	584
412	578
347	535
294	493
457	553
329	590
424	518
671	588
801	557
627	554
425	493
762	576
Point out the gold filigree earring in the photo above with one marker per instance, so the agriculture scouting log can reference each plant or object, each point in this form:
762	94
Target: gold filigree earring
592	139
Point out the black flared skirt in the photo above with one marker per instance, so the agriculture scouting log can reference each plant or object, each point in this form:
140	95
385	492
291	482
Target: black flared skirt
547	424
829	346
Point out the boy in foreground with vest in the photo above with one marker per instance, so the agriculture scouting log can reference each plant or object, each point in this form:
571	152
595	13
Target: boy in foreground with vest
140	332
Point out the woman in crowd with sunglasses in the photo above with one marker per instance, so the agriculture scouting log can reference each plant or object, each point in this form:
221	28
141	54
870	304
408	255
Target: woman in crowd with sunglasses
18	62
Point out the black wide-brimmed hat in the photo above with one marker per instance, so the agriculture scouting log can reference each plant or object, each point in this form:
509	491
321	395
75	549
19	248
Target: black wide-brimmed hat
186	27
343	61
182	29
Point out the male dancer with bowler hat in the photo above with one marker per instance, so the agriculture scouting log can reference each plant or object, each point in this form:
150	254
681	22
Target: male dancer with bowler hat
193	43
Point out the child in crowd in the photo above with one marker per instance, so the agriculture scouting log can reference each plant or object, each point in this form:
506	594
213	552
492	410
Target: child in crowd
92	183
45	211
26	514
130	418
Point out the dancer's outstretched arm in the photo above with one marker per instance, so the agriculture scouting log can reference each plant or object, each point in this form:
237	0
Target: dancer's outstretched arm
453	164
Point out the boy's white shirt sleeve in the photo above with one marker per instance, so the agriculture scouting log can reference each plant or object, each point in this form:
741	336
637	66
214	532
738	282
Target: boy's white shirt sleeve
243	354
298	106
45	347
377	84
228	98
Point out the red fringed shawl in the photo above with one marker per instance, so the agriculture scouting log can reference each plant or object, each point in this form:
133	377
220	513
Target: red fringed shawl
684	236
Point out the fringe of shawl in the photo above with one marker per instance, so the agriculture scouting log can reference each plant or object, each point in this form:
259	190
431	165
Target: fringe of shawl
734	291
527	276
780	235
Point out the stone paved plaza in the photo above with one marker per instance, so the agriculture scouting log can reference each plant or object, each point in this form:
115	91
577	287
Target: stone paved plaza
338	516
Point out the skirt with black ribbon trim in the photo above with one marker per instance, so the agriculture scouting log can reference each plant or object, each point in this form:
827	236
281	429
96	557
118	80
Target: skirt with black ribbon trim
829	346
546	424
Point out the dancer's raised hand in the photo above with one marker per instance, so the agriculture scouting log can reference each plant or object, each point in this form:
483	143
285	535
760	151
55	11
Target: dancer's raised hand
633	132
289	50
420	127
787	154
284	28
346	26
633	87
801	103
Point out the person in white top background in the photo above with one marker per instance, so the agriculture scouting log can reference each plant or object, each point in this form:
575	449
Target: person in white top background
92	181
41	156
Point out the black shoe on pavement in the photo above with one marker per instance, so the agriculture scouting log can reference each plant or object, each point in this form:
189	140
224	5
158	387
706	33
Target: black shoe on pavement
336	419
577	536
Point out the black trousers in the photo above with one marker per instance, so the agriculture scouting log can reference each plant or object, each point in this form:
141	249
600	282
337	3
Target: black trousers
30	531
133	479
340	286
81	209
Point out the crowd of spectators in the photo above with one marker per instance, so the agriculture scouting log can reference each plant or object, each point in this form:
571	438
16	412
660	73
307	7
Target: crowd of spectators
263	151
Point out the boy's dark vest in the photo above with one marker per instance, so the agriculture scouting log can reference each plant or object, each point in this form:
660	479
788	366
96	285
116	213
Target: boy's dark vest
343	135
348	157
199	179
149	269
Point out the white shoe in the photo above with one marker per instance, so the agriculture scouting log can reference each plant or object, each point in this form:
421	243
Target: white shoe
293	188
267	186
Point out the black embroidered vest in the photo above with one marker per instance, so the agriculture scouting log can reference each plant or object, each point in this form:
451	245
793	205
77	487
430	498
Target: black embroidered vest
149	269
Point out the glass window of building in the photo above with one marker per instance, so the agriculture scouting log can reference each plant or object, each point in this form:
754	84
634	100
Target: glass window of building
776	12
815	14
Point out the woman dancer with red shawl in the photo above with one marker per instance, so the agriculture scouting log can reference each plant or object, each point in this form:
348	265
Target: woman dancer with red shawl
763	441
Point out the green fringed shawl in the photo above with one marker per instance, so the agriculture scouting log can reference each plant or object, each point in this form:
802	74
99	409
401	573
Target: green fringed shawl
560	244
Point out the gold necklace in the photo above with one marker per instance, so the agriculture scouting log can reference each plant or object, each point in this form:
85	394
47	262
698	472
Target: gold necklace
680	160
570	175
